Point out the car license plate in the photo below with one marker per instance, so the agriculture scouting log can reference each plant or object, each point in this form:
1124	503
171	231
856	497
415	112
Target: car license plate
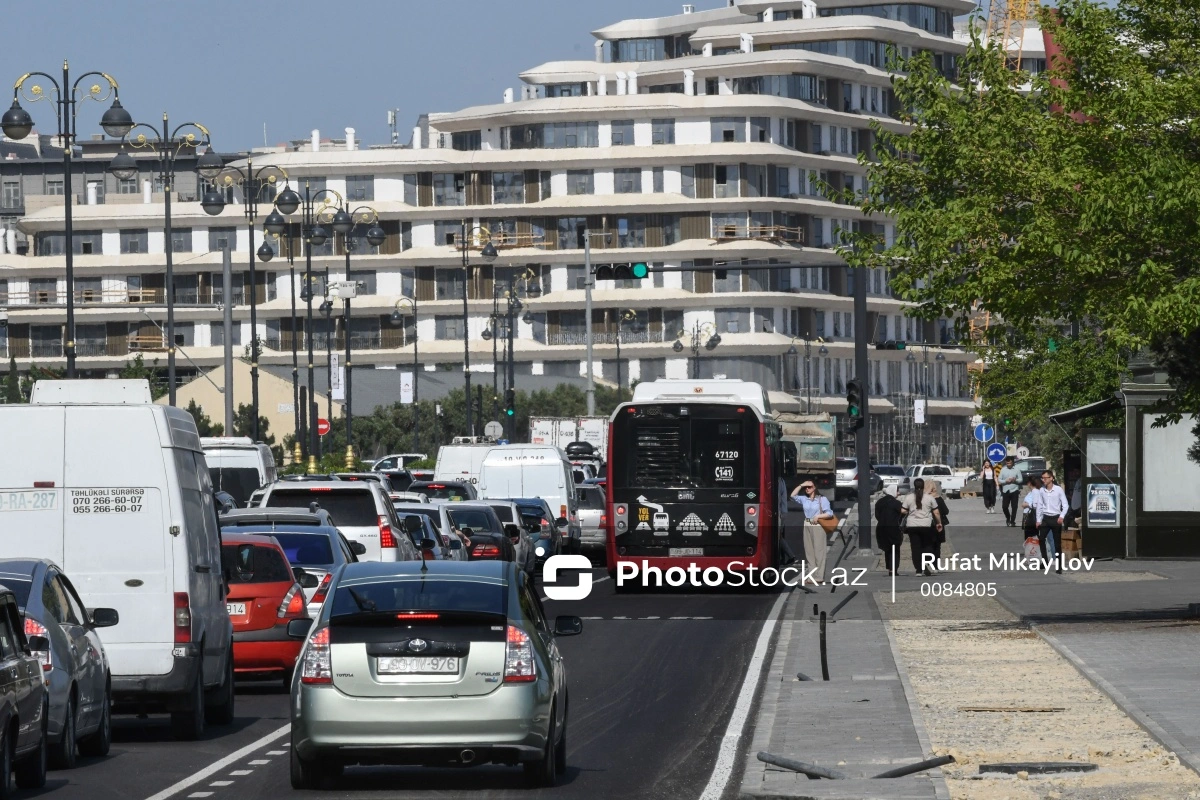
418	665
236	609
686	551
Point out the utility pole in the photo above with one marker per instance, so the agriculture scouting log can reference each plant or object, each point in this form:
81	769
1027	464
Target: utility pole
588	281
227	317
862	437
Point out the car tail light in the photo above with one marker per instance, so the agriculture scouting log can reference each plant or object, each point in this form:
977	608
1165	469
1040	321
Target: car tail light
35	628
417	615
317	666
603	520
323	589
486	551
183	619
518	657
386	539
293	602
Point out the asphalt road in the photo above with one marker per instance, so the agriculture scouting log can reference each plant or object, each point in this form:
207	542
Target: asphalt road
650	700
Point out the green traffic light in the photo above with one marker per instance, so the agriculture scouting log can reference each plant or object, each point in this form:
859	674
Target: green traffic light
509	412
852	411
640	270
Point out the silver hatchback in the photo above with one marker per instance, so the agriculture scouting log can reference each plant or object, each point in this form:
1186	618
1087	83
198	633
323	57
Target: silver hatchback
453	664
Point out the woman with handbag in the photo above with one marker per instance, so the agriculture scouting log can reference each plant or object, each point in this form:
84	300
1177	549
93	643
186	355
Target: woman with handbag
819	522
939	534
923	518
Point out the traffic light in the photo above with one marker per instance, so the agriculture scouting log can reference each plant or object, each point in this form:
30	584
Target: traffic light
510	402
855	397
621	272
639	270
890	345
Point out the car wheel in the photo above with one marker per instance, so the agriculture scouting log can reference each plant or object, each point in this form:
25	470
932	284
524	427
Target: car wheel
62	754
308	773
98	743
6	764
221	705
544	771
188	724
31	771
560	750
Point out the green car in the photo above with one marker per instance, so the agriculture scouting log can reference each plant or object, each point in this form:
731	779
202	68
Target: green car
439	664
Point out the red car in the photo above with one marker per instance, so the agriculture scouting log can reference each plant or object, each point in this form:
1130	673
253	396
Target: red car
263	598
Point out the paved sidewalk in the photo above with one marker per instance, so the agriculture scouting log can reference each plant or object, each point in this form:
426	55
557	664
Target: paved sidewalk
860	722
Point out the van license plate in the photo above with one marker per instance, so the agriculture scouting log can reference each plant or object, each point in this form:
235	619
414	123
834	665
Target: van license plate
686	551
236	609
418	665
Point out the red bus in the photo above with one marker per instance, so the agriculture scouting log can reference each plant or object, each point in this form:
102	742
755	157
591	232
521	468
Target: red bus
695	476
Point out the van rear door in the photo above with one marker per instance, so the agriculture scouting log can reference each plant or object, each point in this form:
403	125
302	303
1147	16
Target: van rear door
31	482
118	540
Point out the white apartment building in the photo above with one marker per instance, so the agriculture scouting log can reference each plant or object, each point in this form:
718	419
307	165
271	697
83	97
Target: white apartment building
696	143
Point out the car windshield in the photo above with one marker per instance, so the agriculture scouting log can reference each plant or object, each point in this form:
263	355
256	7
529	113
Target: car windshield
349	507
474	518
846	463
592	499
20	588
889	469
531	510
429	594
504	512
441	491
254	563
306	549
240	482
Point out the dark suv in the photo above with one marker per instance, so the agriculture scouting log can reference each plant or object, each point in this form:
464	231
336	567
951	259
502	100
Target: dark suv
23	701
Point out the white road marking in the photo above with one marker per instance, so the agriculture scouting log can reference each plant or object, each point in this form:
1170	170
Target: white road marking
727	755
277	752
260	762
221	783
242	772
201	794
217	766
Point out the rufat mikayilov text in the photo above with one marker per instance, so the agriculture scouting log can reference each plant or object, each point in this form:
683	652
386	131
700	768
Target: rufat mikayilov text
1004	562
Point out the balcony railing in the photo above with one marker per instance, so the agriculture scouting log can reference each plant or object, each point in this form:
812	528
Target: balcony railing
571	338
149	343
148	296
765	233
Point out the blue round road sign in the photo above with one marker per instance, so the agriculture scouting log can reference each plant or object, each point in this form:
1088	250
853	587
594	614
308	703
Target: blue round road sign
997	452
984	432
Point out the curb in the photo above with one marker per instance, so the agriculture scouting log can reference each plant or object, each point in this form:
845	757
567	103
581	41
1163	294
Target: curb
938	777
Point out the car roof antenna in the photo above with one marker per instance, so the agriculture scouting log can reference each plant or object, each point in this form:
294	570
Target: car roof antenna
424	567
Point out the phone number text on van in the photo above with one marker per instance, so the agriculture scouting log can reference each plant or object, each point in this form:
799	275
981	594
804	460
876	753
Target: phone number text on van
107	501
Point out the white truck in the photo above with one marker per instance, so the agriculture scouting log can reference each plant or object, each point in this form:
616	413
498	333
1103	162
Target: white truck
238	465
460	462
952	484
561	431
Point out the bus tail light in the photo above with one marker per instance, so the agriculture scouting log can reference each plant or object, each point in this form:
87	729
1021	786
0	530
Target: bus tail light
750	520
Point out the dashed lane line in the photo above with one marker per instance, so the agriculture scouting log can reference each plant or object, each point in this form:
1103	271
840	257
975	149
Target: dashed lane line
221	764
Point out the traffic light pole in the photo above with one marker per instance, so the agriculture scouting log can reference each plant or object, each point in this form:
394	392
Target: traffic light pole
862	436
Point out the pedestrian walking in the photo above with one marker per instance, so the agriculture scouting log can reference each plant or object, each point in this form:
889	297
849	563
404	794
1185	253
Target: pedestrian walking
939	534
889	514
816	539
1051	513
1010	490
1031	501
922	519
988	476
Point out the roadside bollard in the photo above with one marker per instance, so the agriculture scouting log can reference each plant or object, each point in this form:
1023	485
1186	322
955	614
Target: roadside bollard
920	766
824	651
811	770
845	600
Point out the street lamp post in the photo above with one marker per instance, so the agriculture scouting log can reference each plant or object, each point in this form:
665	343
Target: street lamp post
703	335
489	255
314	218
622	316
254	183
167	145
398	318
375	235
116	122
513	307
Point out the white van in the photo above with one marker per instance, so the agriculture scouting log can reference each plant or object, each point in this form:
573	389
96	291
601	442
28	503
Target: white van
238	465
115	490
460	462
529	471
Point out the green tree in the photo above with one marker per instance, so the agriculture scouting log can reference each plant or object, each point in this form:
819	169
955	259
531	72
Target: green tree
1077	203
12	383
36	374
137	370
204	425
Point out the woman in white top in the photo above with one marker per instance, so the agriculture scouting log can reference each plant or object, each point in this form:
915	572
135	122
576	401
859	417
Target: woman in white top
923	523
988	476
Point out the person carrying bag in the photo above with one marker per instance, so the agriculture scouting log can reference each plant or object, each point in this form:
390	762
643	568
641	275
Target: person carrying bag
819	522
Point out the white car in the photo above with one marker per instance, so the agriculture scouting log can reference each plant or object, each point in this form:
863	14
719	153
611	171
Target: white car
361	510
891	474
952	484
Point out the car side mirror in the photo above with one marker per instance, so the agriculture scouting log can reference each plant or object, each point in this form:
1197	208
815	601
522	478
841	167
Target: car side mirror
466	531
567	626
561	522
299	628
455	544
38	644
305	578
358	548
105	617
428	544
513	531
413	523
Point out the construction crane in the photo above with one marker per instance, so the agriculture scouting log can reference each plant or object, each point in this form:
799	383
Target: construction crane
1006	23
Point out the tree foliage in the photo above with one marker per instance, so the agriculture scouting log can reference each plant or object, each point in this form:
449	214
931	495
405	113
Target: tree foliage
1075	203
137	370
12	383
204	424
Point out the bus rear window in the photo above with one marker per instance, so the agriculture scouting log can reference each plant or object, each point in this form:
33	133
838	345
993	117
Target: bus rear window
702	448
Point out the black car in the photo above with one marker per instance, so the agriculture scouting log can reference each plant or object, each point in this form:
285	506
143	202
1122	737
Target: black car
400	479
492	547
23	701
444	490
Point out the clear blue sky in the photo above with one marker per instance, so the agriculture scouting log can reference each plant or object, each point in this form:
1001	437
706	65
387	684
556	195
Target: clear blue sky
297	65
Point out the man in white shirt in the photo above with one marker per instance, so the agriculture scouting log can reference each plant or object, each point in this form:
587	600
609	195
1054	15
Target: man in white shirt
1052	509
1009	480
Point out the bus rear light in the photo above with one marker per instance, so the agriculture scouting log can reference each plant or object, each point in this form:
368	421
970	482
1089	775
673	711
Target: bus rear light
749	551
752	510
183	619
621	510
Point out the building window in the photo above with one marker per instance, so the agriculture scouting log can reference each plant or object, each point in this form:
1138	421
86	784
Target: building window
508	187
631	231
687	177
449	284
581	181
550	135
54	186
760	129
728	129
622	132
628	181
449	189
726	180
12	194
360	187
181	241
576	278
448	327
446	231
662	131
135	241
544	185
570	232
658	180
466	140
43	291
410	189
221	238
127	185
